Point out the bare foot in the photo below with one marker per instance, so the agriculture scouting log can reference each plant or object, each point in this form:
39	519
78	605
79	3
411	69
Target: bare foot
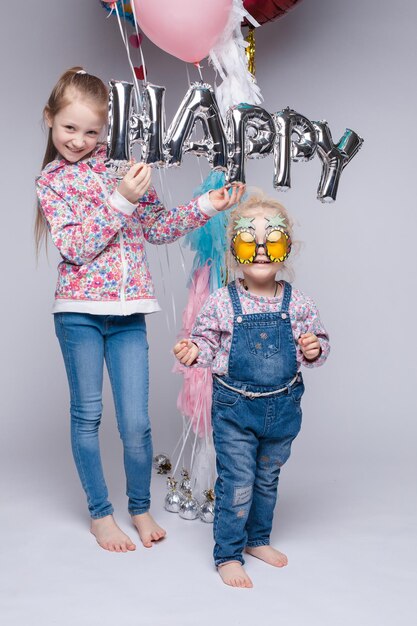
109	536
148	529
269	555
233	574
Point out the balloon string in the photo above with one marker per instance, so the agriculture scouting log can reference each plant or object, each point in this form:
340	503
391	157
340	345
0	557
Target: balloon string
192	286
164	291
201	412
142	58
198	66
182	259
173	304
184	423
126	45
206	430
206	420
180	439
201	171
166	191
197	426
201	409
185	438
186	432
165	186
188	74
140	42
124	22
194	445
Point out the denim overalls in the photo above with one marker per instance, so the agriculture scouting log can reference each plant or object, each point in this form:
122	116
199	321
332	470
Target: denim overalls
253	433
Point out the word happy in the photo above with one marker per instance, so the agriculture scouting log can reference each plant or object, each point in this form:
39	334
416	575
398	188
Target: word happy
248	131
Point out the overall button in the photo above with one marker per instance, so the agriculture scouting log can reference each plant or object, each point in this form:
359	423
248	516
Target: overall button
283	316
239	319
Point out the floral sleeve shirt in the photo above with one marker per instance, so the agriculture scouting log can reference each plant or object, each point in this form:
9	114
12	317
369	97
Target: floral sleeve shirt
101	236
213	327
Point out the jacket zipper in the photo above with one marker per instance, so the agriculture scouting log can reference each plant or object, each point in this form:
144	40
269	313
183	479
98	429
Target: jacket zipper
122	251
124	273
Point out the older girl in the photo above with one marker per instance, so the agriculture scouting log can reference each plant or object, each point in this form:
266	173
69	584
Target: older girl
104	290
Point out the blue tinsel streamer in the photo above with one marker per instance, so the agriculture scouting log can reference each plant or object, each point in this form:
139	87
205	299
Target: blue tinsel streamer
209	241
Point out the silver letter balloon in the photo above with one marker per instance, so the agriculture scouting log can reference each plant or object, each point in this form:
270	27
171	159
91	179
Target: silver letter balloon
247	132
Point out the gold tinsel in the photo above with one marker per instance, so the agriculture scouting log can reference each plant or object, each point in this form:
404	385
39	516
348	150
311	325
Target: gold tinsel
250	50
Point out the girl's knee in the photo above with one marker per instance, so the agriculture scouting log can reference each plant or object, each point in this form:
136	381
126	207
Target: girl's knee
87	419
137	436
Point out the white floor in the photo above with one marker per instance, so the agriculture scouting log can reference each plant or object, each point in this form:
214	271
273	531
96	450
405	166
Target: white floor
351	542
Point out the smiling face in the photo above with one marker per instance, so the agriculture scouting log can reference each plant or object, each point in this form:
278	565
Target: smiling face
260	239
261	269
76	128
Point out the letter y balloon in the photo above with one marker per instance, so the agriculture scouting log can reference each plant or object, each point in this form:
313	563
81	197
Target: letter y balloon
334	157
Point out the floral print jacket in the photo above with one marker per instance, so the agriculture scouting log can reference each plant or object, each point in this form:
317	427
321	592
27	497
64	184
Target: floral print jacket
101	236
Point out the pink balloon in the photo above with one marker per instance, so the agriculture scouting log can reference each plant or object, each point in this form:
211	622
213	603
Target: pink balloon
187	29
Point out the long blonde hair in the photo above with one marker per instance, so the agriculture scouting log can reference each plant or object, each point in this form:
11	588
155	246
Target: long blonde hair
87	86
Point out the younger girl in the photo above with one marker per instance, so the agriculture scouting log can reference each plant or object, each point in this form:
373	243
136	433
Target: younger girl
254	334
104	289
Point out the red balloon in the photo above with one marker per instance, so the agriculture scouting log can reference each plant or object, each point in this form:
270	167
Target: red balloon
267	10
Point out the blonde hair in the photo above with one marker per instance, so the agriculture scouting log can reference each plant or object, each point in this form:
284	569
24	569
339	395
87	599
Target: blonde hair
257	204
84	85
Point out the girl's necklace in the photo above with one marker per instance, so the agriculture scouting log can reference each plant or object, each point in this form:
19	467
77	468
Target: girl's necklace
245	287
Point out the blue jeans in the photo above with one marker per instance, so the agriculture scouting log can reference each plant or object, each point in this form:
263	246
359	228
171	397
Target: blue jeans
86	342
253	440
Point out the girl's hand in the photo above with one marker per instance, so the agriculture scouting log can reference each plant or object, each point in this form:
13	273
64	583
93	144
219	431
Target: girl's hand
186	351
310	346
220	198
136	182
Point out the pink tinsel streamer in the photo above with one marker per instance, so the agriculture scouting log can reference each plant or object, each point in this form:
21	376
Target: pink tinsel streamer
194	399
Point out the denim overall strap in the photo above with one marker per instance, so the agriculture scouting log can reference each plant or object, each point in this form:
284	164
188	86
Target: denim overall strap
234	296
263	353
286	298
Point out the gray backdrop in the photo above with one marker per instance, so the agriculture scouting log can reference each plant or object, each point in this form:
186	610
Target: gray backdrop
348	498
